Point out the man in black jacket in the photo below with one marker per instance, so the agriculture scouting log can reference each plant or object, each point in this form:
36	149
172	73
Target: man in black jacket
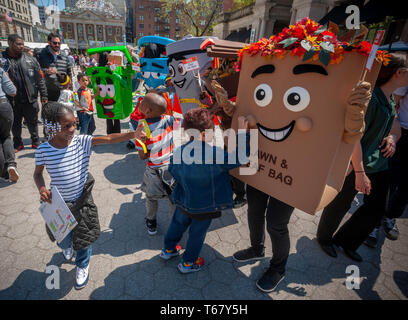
52	61
24	71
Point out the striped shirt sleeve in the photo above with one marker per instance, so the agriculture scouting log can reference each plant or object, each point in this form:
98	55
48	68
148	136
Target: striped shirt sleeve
86	143
39	159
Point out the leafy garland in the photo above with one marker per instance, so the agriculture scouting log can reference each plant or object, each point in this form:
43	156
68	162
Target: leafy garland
308	40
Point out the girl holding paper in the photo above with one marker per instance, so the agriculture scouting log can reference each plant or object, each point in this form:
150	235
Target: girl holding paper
66	158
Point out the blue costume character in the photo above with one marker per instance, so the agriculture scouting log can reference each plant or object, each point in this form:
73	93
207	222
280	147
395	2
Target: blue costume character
153	61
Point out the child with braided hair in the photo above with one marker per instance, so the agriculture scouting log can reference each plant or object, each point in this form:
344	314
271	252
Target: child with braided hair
66	158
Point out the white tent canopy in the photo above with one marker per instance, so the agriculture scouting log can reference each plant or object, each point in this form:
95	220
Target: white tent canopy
34	45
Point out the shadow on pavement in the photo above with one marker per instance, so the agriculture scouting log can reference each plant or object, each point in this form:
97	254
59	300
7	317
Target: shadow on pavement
155	278
125	171
401	279
31	284
324	269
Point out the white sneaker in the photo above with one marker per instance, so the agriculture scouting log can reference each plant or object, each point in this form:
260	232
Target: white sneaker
82	276
13	174
68	253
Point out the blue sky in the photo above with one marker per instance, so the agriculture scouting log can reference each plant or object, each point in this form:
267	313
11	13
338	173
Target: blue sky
48	3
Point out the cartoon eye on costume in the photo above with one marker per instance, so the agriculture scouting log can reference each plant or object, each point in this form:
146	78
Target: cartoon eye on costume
156	75
102	90
146	74
296	99
171	71
110	88
263	95
180	69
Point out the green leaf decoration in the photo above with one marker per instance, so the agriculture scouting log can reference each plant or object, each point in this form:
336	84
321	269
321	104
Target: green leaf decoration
324	57
308	55
320	30
306	45
288	42
327	46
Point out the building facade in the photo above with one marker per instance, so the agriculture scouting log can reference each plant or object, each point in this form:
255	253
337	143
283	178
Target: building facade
148	21
19	12
39	31
92	24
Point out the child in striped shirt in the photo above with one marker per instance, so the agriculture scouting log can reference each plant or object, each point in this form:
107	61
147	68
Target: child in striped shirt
157	181
66	158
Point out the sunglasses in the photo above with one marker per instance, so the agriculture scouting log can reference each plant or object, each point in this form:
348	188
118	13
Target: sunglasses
56	42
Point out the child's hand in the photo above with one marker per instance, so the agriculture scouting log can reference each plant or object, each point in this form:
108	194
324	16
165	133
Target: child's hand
242	123
140	134
45	195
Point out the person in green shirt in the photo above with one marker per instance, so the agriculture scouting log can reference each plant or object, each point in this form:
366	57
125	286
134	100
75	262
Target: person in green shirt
369	172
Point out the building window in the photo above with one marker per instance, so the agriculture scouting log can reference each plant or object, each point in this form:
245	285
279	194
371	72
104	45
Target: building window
141	34
109	31
141	26
141	7
178	11
156	19
100	30
156	28
90	29
167	28
69	28
157	10
141	18
118	31
177	20
167	20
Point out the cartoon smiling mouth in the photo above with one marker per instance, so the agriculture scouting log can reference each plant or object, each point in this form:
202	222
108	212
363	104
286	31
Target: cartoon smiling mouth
180	84
277	135
107	105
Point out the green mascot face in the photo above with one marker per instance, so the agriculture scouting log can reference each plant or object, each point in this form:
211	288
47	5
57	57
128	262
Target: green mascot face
105	99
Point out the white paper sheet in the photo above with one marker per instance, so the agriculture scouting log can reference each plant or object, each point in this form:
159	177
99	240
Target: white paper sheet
57	216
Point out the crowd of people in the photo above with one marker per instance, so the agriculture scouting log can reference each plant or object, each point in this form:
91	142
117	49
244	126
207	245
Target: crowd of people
196	192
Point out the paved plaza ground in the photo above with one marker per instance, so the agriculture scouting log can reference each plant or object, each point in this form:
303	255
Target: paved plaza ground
125	263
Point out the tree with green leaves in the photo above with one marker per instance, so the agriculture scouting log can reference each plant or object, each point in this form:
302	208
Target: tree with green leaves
197	17
239	4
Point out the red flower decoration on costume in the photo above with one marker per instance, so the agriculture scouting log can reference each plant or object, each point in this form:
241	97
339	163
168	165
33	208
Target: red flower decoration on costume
316	38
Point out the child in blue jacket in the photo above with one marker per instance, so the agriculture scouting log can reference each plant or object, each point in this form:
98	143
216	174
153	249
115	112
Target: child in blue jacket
203	187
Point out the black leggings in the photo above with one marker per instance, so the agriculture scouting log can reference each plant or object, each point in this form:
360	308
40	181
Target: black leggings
277	214
353	233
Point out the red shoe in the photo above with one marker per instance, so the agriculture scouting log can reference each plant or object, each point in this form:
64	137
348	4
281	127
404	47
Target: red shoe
21	146
34	146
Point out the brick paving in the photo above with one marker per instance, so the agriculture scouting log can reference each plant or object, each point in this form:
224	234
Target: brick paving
125	262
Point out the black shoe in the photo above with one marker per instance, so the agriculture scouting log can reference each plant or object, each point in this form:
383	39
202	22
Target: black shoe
390	229
269	281
130	145
371	242
239	202
247	255
328	249
151	226
353	255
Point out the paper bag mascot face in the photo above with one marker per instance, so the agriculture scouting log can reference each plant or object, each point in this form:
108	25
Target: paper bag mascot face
186	83
299	108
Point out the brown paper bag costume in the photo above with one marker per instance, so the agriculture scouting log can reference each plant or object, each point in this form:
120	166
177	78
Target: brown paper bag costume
302	156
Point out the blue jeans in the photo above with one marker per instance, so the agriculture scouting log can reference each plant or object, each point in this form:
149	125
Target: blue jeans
82	257
86	123
196	234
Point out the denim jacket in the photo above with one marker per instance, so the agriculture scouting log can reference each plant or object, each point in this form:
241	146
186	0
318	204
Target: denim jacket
202	187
